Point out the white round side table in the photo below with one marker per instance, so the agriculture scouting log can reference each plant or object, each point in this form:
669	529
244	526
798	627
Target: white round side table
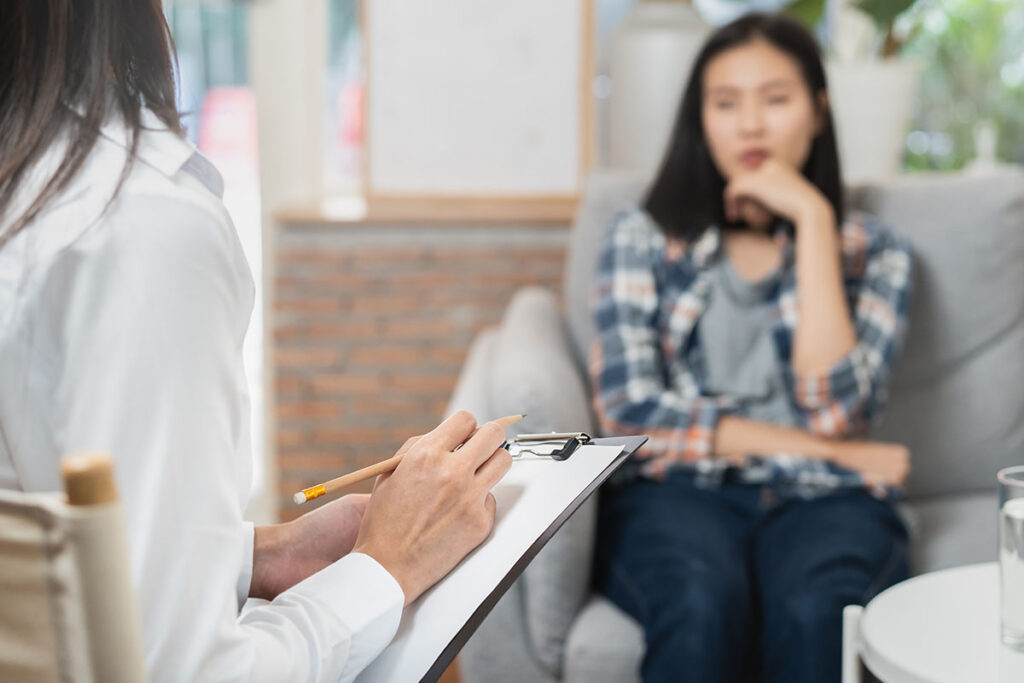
940	627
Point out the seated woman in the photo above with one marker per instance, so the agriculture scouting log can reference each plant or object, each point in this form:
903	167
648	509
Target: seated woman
749	326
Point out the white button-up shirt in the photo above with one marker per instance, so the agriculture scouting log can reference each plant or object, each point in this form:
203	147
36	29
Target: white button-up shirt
121	331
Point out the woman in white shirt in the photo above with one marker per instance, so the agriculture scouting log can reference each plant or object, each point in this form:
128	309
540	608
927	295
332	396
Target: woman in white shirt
124	298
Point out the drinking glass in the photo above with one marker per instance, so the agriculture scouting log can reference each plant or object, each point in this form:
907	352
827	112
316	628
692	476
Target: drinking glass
1011	555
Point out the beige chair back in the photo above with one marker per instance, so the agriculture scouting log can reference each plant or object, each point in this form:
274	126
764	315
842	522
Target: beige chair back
67	610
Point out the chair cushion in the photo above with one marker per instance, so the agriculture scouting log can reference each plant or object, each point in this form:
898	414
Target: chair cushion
605	644
950	531
957	395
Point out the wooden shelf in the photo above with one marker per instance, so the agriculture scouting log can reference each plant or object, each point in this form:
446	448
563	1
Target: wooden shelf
467	210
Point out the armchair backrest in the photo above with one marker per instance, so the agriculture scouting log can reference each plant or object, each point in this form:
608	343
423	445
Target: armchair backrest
607	194
957	395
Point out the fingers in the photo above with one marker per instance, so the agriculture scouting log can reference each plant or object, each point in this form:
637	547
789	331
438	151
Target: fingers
357	499
478	449
483	522
731	202
747	195
748	210
493	469
450	433
490	508
381	478
734	188
409	443
730	210
737	199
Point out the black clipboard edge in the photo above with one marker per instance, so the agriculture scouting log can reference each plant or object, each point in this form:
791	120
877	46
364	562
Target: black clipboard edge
629	444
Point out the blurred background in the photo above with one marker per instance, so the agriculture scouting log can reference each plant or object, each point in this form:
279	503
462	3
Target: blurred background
396	172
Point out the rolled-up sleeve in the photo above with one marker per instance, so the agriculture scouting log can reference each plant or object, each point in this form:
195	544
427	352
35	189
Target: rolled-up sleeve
634	389
845	398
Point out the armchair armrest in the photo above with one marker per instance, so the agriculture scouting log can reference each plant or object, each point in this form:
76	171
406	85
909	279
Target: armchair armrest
471	390
535	371
532	370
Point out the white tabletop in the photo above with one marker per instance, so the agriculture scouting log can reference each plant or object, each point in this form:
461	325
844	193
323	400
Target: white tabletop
940	627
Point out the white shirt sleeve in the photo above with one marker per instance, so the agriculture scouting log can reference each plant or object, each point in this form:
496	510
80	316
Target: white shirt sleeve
343	594
146	312
245	573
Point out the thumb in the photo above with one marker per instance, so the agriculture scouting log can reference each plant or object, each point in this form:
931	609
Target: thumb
381	478
490	513
409	443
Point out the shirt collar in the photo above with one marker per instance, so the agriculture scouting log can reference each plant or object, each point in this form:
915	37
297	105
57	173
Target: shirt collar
708	247
158	146
164	150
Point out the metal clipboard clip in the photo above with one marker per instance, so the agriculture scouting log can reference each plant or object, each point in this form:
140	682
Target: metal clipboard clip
555	445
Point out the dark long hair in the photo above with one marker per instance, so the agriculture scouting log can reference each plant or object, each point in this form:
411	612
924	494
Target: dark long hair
66	67
686	195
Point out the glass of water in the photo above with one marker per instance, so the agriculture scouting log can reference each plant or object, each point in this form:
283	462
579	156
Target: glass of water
1011	554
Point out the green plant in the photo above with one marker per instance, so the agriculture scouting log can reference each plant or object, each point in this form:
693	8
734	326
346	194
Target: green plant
972	71
883	14
809	12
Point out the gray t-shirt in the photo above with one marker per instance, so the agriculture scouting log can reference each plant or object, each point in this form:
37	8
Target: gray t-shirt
739	353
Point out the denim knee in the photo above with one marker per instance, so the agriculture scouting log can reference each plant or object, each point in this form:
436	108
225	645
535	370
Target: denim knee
705	603
699	628
811	614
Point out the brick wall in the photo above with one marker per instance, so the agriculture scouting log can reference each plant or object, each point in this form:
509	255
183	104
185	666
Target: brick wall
371	324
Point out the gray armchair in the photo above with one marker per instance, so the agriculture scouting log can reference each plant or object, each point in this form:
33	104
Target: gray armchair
956	399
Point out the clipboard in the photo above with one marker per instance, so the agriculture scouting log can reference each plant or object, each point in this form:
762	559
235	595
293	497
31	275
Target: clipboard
422	652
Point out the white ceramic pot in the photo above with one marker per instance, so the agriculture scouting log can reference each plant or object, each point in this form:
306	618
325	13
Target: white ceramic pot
651	55
871	106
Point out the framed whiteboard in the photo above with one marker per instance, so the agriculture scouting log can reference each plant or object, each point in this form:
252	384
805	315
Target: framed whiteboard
472	98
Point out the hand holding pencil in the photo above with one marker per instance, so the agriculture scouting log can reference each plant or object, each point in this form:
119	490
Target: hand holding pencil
421	520
430	511
381	467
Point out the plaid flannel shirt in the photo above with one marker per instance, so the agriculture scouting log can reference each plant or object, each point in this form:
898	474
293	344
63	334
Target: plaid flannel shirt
647	364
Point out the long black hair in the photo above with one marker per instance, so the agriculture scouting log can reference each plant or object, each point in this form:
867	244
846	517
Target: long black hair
66	67
686	195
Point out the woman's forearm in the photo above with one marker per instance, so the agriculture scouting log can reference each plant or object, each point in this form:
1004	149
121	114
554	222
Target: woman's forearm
736	437
879	463
824	333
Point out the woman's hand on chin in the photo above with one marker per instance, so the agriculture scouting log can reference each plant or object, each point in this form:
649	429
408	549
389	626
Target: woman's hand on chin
774	188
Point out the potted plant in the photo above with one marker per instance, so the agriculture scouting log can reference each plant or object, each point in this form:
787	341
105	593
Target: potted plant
872	88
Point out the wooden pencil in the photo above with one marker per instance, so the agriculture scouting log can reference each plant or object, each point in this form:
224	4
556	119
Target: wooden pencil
374	470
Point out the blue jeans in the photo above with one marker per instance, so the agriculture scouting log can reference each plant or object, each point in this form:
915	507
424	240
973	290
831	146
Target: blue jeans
731	585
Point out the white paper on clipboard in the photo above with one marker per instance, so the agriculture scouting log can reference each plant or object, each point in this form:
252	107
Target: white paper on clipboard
530	499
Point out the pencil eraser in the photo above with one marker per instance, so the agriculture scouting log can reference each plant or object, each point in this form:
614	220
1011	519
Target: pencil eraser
299	498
